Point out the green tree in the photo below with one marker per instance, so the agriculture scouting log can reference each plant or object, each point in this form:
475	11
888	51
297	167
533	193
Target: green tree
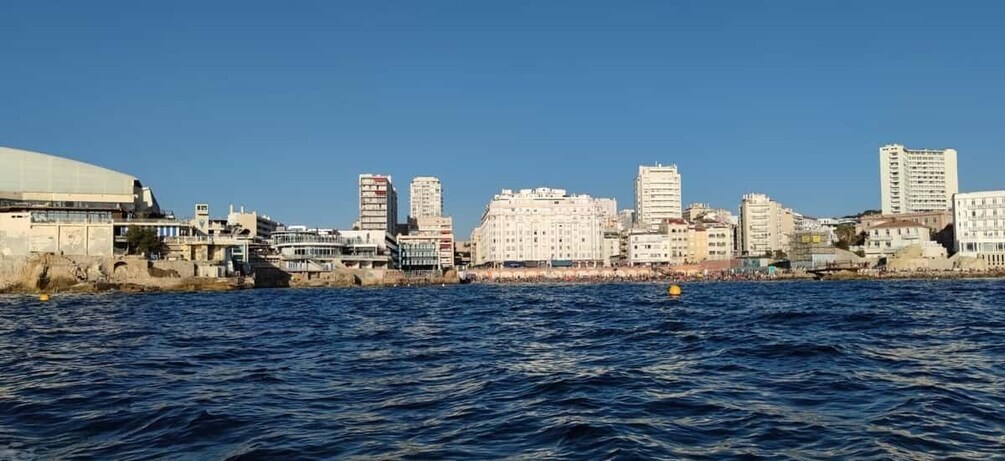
143	240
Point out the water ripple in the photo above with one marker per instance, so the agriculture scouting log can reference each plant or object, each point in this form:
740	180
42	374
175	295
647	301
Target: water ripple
903	369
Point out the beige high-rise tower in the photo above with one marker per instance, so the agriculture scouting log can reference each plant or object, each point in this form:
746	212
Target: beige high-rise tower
917	180
425	197
657	195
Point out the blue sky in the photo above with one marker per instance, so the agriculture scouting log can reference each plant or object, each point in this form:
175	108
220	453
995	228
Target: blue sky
280	105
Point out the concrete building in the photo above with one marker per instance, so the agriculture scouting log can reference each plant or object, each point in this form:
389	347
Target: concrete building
890	237
937	220
298	249
462	254
626	219
607	208
51	204
812	249
657	195
711	242
425	197
378	203
36	180
765	226
420	253
648	248
696	212
440	230
679	250
539	227
260	227
917	180
611	252
979	225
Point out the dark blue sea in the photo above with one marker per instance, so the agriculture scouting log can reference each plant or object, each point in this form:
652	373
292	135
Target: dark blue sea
850	370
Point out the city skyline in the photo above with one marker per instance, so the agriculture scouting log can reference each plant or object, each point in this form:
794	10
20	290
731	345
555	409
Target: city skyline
786	99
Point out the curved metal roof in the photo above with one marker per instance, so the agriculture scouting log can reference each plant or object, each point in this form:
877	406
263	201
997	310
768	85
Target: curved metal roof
26	171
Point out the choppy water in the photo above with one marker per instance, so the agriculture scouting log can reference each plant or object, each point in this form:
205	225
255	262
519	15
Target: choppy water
781	370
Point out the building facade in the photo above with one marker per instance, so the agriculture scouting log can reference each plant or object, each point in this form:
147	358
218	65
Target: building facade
765	226
679	249
648	248
657	195
539	227
979	225
37	180
259	226
378	203
425	197
711	242
890	237
439	229
916	180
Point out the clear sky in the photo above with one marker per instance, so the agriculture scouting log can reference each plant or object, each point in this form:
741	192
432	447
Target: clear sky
280	105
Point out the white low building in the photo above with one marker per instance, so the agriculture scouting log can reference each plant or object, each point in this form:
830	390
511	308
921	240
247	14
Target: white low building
890	237
979	225
648	248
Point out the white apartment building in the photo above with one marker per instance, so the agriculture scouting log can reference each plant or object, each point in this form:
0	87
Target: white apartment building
425	197
648	248
657	195
890	237
979	225
765	226
540	226
378	203
917	180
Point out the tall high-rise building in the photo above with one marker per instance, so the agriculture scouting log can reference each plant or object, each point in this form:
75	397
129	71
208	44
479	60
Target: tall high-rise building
378	203
425	197
765	226
917	180
657	195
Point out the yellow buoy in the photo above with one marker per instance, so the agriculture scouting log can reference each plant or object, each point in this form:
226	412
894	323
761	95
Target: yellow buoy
43	297
674	290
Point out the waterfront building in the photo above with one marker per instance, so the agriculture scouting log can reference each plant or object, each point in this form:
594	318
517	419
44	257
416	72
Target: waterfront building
711	241
439	229
425	197
979	225
811	249
52	204
37	180
611	252
297	249
765	226
657	195
916	180
378	203
260	227
648	248
937	220
892	236
539	227
419	253
679	249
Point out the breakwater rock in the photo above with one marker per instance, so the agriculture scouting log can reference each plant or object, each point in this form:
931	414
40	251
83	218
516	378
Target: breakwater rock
58	273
